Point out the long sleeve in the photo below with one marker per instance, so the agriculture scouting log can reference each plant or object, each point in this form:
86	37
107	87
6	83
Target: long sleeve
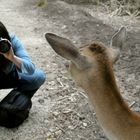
27	66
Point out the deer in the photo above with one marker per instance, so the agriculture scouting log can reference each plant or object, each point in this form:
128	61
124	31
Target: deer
91	67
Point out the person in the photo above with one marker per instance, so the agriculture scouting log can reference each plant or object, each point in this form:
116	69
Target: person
17	71
16	68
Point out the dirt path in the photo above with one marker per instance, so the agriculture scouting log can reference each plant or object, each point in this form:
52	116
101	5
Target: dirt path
60	110
24	27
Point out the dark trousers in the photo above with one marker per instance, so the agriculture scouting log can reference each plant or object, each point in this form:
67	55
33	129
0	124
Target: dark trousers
26	83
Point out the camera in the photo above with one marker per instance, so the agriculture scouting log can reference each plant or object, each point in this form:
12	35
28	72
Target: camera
5	45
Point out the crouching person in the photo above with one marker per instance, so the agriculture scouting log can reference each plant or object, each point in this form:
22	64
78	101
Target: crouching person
19	73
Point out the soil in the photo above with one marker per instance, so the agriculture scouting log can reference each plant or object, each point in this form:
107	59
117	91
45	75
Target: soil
61	111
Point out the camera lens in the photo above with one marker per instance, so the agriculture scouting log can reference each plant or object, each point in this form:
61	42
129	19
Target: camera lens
4	46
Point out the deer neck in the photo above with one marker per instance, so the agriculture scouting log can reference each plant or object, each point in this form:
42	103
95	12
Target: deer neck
111	110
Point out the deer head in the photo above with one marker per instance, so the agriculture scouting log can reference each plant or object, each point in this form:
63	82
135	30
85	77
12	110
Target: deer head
89	61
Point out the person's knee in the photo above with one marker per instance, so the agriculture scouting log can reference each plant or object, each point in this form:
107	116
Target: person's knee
32	82
39	78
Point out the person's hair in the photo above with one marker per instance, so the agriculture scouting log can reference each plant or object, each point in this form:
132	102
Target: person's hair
3	32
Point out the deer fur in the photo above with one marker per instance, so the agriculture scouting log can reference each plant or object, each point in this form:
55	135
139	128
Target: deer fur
92	69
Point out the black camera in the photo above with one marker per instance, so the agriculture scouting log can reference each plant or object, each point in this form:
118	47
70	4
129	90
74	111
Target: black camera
5	45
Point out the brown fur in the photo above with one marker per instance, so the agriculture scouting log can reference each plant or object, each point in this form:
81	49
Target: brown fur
113	113
91	69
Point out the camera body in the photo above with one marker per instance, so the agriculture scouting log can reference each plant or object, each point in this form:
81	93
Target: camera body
5	45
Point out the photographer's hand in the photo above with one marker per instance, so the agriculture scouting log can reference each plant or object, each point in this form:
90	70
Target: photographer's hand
10	56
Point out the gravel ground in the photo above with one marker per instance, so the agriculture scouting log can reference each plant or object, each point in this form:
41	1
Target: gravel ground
60	109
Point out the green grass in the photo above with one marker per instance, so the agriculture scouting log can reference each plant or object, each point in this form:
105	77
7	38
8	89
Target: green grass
41	3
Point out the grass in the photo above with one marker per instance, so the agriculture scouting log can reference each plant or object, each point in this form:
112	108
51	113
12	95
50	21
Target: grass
41	3
122	7
116	7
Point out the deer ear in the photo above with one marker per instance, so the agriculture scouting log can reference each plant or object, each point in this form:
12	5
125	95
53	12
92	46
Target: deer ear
66	49
117	42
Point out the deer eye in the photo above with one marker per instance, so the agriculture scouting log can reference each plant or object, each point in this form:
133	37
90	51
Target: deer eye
97	48
93	49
